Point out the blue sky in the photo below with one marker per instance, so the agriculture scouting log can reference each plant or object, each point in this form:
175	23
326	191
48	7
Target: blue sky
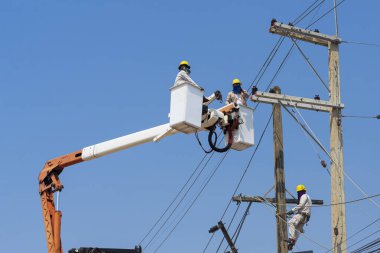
75	73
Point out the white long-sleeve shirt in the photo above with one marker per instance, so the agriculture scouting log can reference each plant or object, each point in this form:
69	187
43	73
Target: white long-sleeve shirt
183	77
304	206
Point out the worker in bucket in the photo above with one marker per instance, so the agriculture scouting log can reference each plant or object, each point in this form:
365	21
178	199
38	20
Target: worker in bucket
301	216
237	95
183	76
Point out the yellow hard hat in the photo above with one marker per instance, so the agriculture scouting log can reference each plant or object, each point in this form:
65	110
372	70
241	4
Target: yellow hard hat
300	187
236	81
183	63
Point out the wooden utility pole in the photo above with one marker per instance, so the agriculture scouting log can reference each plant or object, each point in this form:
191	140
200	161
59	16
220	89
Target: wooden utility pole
334	107
282	231
338	212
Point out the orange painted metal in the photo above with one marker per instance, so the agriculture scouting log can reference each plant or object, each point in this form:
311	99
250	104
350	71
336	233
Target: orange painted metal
57	231
48	184
227	108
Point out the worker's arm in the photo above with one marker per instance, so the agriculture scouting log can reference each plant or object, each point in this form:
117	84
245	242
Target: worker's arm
302	203
245	94
183	77
228	99
216	95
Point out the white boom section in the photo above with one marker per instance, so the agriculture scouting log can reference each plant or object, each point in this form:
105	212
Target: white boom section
124	142
185	116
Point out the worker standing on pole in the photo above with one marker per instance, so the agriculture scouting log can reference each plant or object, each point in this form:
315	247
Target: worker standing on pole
237	95
302	216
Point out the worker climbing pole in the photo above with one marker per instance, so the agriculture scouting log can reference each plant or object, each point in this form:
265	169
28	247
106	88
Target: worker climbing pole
302	215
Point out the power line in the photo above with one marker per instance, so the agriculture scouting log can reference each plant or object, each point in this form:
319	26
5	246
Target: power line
236	234
377	231
326	13
343	203
243	175
369	246
356	233
192	203
313	136
232	219
296	21
361	116
316	13
173	201
246	169
309	63
361	43
267	62
181	200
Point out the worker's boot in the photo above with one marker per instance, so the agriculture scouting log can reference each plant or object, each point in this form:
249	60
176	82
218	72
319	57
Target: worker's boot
291	243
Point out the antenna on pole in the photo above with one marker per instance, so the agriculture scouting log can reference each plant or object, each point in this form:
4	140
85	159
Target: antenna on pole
336	19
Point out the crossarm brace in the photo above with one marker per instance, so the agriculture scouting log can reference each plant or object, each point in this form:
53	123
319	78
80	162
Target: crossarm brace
303	34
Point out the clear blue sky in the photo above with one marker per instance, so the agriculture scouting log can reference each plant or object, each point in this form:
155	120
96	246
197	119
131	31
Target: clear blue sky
75	73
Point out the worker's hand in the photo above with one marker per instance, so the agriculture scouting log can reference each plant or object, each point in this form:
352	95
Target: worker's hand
254	90
290	212
218	95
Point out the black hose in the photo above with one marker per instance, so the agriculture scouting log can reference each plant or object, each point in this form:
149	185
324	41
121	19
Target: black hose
200	144
212	143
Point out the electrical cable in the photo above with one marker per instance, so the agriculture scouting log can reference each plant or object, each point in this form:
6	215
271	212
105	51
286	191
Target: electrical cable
356	233
365	238
310	64
276	74
313	136
175	198
191	205
361	43
267	62
244	173
240	226
232	219
326	13
361	117
369	246
295	21
338	166
200	143
271	82
342	203
316	13
182	199
279	68
283	220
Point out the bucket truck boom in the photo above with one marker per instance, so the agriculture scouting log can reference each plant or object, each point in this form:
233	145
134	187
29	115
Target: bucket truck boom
185	116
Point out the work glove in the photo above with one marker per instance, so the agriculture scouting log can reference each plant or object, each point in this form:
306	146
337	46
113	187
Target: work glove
218	95
290	212
254	90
